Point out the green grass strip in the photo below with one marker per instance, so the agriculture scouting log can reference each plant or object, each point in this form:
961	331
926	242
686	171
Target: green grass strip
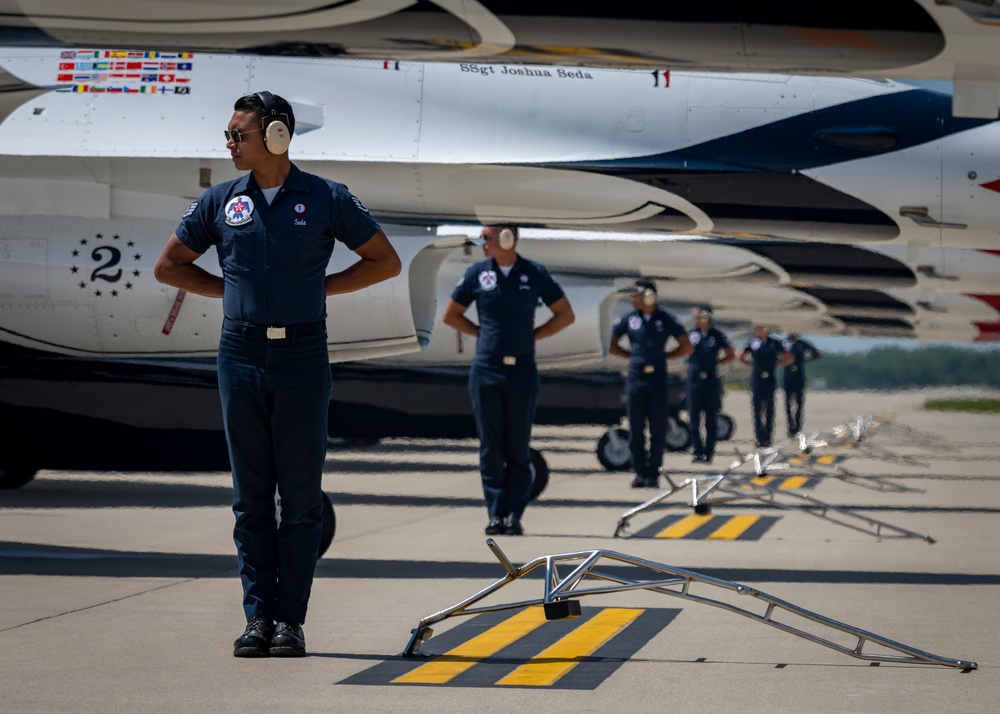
979	406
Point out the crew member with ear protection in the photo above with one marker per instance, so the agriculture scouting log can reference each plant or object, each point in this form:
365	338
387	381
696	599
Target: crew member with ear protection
764	354
648	328
793	379
503	380
704	388
274	230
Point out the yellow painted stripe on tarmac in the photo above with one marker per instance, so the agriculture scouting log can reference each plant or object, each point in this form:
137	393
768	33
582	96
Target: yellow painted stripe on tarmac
467	655
683	527
733	528
793	482
548	666
760	481
826	459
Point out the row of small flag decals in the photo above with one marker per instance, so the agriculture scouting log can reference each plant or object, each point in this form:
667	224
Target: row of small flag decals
498	649
124	72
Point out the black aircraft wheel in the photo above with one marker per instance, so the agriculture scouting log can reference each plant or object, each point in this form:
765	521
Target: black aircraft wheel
613	451
539	474
329	525
703	509
678	436
16	475
725	427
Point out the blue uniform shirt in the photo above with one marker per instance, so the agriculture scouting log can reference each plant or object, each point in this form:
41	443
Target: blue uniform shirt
765	355
705	358
506	305
274	257
647	337
799	349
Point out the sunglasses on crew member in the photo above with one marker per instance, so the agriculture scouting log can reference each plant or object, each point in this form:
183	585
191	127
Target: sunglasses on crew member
236	135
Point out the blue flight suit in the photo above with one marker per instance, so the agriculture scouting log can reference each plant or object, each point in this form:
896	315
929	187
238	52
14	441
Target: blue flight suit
646	385
503	380
275	390
793	381
765	355
704	389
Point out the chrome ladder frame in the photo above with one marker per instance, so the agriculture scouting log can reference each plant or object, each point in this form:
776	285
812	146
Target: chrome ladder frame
560	593
728	487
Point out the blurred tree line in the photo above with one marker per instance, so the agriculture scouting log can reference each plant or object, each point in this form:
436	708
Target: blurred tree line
897	368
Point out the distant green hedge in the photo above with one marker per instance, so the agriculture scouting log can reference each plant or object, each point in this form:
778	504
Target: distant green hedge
891	368
982	406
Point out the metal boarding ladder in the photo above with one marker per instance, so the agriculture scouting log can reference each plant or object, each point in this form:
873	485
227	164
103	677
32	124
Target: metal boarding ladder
766	461
560	601
735	488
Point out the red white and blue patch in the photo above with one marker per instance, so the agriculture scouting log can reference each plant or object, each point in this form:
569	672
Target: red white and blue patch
299	208
239	211
634	322
488	279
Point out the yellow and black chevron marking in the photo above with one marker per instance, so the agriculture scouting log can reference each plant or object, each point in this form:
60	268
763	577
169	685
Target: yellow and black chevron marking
709	527
819	459
784	483
524	650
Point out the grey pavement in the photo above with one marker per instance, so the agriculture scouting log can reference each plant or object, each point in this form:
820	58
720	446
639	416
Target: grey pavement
119	593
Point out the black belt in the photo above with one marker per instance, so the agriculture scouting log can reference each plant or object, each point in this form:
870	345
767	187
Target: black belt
254	332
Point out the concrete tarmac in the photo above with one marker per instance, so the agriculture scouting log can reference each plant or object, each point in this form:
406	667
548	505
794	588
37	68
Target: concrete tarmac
119	591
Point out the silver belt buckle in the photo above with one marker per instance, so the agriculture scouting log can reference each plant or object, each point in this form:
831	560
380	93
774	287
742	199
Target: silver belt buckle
794	368
649	369
703	375
509	361
276	333
764	375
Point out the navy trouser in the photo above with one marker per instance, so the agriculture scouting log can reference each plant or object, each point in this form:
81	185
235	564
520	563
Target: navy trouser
647	403
503	402
704	399
762	398
275	402
795	398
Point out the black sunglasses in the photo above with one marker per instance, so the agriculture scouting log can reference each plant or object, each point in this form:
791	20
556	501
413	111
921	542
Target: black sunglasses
236	135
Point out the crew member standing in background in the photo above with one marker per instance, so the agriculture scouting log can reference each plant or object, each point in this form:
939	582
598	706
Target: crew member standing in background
793	379
648	328
764	354
704	389
503	380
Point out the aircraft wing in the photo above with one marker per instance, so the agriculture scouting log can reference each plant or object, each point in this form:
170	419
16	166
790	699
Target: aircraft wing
760	174
923	39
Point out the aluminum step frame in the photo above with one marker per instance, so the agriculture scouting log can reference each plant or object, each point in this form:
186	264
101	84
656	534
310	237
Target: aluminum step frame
665	580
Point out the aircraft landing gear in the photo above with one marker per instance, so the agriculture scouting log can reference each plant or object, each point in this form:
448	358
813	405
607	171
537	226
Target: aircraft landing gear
329	521
725	427
678	435
612	449
539	474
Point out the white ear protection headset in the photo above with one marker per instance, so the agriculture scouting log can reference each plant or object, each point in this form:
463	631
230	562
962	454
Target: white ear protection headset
506	239
276	134
648	297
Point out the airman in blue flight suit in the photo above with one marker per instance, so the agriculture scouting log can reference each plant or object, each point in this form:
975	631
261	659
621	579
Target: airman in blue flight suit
704	389
503	380
274	230
793	379
648	328
764	354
